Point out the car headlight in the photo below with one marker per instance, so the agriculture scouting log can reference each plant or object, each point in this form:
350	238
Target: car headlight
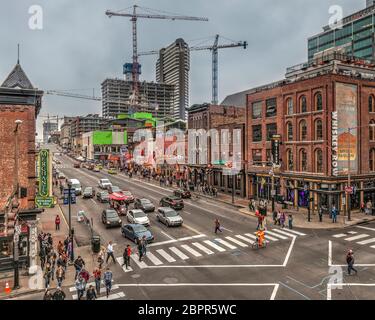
108	222
119	221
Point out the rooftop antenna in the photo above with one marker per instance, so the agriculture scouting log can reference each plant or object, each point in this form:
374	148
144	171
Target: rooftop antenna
18	53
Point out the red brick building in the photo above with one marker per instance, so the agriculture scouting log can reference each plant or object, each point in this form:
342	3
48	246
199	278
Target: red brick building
323	111
219	117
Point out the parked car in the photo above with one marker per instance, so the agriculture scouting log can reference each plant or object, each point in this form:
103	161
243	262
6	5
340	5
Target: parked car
104	183
113	189
173	202
112	171
183	194
102	196
138	216
169	217
88	192
61	175
129	196
144	204
110	218
136	231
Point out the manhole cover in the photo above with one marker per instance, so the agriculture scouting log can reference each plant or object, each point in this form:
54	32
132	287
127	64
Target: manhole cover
170	280
236	253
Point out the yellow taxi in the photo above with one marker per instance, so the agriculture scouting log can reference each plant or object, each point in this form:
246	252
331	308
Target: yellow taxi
112	171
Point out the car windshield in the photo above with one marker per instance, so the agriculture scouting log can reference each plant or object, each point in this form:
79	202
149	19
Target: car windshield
171	213
139	214
174	198
88	189
104	194
111	214
139	228
76	185
145	201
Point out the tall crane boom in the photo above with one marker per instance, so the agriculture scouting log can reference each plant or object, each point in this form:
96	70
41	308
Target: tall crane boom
73	95
134	16
215	60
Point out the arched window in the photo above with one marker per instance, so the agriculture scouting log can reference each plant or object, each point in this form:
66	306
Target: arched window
303	160
318	160
371	103
318	130
371	129
290	162
372	160
302	130
303	104
289	104
289	128
318	102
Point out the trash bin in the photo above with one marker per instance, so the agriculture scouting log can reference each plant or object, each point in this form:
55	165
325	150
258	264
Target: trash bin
95	242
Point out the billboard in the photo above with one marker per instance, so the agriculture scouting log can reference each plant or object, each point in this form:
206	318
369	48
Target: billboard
344	132
102	137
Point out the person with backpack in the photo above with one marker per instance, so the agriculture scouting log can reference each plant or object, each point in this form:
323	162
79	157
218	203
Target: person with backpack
90	293
78	265
58	294
108	281
57	223
350	262
98	278
217	226
80	285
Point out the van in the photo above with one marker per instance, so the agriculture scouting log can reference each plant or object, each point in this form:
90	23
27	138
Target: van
76	185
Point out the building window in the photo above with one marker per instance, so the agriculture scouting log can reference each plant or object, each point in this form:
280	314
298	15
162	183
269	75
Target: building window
371	104
271	107
256	110
257	133
303	160
318	130
289	128
289	104
257	157
372	160
372	130
271	130
290	162
318	160
268	155
303	104
318	102
302	130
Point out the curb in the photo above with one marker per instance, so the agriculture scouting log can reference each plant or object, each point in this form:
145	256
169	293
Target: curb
19	294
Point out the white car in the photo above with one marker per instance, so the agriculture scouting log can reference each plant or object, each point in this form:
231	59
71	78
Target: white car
104	183
138	216
169	217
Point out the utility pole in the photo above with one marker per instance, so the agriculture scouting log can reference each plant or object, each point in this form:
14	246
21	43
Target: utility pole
233	184
347	193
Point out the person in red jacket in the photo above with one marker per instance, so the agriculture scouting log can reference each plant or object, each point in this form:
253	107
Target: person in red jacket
57	222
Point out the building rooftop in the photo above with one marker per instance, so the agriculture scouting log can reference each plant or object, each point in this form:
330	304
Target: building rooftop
17	79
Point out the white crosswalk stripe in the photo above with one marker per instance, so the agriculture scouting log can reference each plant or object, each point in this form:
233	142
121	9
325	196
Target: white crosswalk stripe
102	290
202	248
367	241
361	236
140	264
179	253
191	250
352	232
113	296
244	239
285	233
165	255
296	232
276	235
241	244
372	247
120	260
225	243
71	289
268	237
253	236
214	245
340	235
154	259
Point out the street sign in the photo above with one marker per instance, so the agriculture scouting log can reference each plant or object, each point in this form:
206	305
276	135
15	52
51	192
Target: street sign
44	202
72	196
349	190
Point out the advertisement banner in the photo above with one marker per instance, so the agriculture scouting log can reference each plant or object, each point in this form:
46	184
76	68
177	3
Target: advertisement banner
344	132
44	184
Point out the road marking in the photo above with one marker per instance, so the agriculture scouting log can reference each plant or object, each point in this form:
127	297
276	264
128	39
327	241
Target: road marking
361	236
93	201
283	232
165	255
214	245
241	244
276	235
162	242
225	243
202	248
340	235
140	264
168	236
289	251
186	212
102	290
337	285
274	292
372	246
71	289
154	259
113	296
244	239
191	250
352	232
367	241
120	260
296	232
191	229
268	237
179	253
253	236
192	237
367	228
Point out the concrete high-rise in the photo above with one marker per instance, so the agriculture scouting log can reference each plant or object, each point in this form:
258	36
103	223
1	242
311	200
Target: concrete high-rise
172	67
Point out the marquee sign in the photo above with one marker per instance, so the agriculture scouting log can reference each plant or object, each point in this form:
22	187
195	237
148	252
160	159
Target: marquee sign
44	173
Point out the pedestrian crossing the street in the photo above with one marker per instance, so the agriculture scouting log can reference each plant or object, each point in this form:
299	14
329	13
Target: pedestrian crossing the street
204	248
115	293
358	238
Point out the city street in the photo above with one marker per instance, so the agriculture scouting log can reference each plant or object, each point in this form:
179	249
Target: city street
187	262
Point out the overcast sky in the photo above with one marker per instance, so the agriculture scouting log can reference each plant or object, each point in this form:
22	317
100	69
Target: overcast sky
79	46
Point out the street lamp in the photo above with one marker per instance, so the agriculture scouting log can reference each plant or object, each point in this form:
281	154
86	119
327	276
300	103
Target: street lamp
71	232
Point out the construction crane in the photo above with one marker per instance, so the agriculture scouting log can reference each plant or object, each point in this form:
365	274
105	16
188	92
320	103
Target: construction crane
66	93
134	16
215	60
48	117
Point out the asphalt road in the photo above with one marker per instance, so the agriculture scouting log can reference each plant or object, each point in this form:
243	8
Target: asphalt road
191	262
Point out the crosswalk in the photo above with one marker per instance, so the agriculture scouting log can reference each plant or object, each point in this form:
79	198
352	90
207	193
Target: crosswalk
359	238
115	294
205	247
